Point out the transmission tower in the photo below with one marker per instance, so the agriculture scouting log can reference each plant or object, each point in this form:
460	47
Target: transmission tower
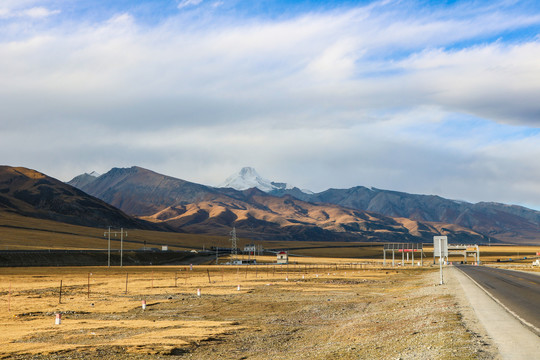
233	241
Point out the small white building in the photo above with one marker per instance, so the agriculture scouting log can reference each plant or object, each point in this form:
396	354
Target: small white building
282	257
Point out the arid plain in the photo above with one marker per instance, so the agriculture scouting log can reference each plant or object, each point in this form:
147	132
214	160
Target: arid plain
314	308
335	300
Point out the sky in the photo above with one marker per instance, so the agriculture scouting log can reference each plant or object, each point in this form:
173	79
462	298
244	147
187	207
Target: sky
426	97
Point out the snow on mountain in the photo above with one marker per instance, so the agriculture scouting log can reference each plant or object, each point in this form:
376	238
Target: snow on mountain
84	179
248	178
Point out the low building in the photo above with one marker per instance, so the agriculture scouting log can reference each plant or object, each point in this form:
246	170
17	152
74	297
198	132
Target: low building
282	257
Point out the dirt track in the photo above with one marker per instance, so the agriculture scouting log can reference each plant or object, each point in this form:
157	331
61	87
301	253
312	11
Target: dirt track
303	312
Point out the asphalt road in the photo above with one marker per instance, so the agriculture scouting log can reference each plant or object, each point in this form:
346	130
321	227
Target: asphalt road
518	291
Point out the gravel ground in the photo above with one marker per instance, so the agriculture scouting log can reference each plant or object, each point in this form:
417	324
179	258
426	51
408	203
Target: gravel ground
405	317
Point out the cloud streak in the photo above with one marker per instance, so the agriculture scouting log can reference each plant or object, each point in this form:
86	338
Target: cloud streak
25	9
186	3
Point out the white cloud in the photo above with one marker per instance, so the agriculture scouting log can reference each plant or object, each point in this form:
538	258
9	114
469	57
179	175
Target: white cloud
187	3
495	81
37	12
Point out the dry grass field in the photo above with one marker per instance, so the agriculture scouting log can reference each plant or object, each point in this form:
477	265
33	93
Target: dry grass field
19	233
514	252
333	309
23	233
334	301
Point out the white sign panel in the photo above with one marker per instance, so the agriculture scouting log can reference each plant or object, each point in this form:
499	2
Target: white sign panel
443	241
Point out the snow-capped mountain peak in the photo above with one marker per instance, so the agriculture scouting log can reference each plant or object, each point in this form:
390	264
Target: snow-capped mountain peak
248	178
94	174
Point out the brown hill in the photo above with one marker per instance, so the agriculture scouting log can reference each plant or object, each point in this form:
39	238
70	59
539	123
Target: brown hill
508	223
140	192
266	217
201	209
33	194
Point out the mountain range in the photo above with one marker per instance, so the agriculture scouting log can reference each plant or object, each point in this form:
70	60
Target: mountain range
139	198
509	223
261	209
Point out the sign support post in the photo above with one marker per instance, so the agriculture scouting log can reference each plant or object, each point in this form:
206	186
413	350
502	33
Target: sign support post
440	259
440	246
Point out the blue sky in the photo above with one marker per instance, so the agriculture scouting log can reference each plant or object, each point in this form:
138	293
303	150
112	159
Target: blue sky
416	96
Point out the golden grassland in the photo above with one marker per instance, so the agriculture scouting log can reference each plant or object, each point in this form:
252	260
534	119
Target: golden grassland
492	253
334	300
102	306
317	309
19	233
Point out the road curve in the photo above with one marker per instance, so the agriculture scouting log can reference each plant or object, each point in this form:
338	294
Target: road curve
518	291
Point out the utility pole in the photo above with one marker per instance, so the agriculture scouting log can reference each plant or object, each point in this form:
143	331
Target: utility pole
108	247
121	244
122	233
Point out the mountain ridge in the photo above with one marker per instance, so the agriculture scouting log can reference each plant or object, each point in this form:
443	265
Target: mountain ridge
509	223
31	193
202	209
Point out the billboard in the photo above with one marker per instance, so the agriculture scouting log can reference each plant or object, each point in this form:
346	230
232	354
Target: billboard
443	242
